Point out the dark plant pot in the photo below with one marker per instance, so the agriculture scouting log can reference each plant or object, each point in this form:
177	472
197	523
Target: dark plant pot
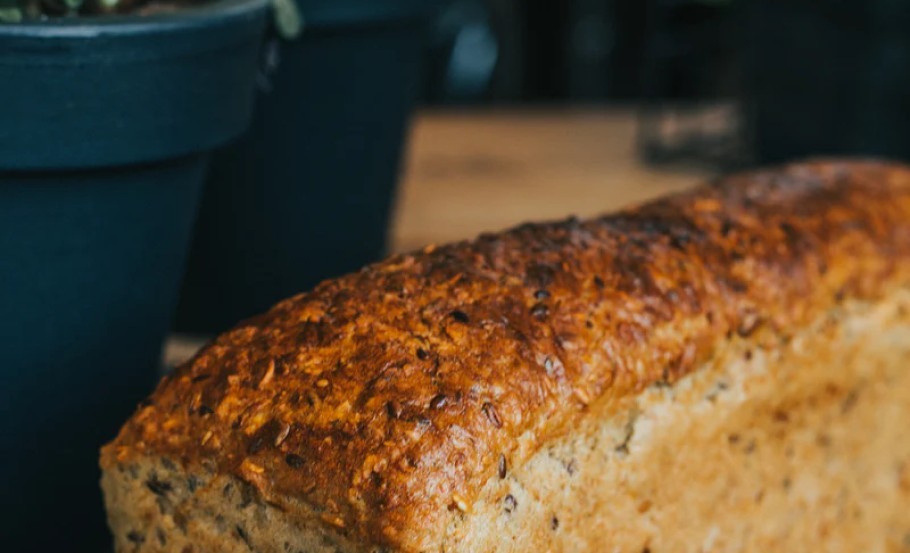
103	147
306	193
828	78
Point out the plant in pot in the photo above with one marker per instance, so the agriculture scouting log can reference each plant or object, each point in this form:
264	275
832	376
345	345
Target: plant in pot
306	193
110	108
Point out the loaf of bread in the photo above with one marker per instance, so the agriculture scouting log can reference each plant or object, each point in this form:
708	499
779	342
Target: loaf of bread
726	369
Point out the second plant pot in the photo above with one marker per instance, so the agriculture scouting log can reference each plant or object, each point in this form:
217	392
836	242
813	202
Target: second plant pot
828	78
306	194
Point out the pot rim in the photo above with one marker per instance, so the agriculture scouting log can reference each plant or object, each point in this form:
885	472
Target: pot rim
187	19
121	90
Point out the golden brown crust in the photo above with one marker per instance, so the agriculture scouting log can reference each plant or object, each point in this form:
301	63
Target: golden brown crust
386	398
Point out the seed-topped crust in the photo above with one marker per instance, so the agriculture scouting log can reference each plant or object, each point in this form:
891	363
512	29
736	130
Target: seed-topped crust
386	398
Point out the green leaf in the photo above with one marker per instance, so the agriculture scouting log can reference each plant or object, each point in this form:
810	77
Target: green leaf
288	19
10	15
73	5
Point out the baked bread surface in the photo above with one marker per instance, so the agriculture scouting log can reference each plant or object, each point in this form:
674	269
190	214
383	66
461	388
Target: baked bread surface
381	404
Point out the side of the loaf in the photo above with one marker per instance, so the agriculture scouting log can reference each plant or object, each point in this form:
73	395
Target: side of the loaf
764	448
782	442
422	403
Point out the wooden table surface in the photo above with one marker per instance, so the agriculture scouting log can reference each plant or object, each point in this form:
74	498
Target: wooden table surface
472	171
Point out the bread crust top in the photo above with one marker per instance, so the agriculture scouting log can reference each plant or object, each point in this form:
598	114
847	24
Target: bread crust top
386	398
